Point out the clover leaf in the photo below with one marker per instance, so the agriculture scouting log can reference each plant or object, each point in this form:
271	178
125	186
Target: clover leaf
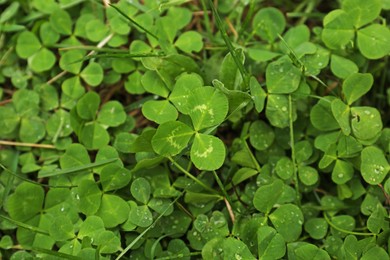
270	243
190	41
374	165
39	57
159	111
338	29
288	220
356	85
268	23
207	152
25	202
114	177
282	77
361	11
208	107
373	41
113	210
267	196
92	74
112	114
171	138
366	122
62	229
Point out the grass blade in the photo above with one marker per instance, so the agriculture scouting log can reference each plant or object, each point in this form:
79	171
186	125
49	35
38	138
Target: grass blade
148	228
33	182
24	225
229	45
134	22
78	168
120	56
55	253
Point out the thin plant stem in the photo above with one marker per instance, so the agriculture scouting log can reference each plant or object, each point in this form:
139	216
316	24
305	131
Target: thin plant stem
229	44
134	22
79	168
206	18
148	228
308	10
25	226
33	182
253	158
191	176
230	210
343	230
247	20
292	144
11	143
99	46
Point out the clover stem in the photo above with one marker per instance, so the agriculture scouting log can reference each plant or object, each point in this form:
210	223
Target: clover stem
11	143
124	251
230	210
206	18
343	230
292	143
229	45
227	199
188	174
99	46
25	226
254	160
247	20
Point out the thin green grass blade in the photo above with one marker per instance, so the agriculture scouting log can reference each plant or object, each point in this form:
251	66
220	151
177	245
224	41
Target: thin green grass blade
119	56
292	144
10	180
55	253
64	47
229	44
192	177
24	225
247	20
148	228
206	18
222	187
179	256
134	22
164	6
78	168
34	182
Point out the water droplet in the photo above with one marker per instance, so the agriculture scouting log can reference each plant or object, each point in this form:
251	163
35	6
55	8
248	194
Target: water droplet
378	169
340	175
281	70
195	233
62	209
237	257
320	64
284	109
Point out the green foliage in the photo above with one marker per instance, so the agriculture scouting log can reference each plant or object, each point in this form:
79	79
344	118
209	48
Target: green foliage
194	129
